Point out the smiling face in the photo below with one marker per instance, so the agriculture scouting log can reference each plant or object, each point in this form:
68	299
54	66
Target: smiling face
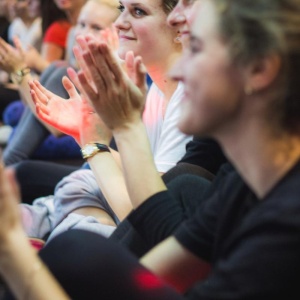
142	28
34	8
19	8
94	17
213	86
182	17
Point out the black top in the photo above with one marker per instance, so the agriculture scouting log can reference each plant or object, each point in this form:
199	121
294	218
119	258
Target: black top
204	152
253	245
159	216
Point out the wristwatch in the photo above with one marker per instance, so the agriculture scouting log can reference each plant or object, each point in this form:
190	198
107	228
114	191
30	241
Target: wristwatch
17	76
89	150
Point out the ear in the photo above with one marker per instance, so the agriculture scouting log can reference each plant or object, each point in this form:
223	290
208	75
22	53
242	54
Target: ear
263	72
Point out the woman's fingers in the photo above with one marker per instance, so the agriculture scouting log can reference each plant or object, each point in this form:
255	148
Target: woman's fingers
96	74
140	74
18	45
70	88
13	184
40	104
9	198
3	45
43	114
88	90
74	78
37	94
112	65
78	53
129	65
42	90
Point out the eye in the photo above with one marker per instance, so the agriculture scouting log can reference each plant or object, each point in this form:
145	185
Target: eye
96	27
81	24
121	7
139	12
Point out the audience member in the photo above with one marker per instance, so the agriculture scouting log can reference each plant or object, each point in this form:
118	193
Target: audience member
242	243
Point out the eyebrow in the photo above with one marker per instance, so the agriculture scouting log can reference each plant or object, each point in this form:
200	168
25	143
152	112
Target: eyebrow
133	4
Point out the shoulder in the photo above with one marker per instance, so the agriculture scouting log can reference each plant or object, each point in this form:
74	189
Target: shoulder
57	33
59	26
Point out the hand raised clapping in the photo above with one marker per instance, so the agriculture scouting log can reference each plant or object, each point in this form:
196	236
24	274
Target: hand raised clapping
116	98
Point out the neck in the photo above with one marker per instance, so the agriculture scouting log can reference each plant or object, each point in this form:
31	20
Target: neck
72	15
159	75
28	21
260	155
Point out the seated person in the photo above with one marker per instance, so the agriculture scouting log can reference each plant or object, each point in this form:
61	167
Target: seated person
160	118
31	133
53	26
243	242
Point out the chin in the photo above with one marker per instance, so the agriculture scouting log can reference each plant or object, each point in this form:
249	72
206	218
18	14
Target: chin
122	52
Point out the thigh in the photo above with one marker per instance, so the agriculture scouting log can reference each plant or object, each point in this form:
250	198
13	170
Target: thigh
28	135
39	178
89	266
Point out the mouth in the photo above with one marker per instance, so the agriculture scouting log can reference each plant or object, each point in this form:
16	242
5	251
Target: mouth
185	33
126	38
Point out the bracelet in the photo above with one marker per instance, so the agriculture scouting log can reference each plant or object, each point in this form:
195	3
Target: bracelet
89	150
17	76
32	273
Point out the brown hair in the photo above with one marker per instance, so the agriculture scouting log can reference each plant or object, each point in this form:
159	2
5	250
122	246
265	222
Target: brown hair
168	5
257	28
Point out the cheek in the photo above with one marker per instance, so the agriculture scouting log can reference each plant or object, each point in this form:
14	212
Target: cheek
213	98
143	43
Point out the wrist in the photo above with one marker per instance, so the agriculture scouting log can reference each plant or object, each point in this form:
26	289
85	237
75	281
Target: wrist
91	149
18	75
129	129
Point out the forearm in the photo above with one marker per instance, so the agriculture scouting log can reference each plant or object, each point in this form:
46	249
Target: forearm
175	265
24	90
25	274
111	182
142	178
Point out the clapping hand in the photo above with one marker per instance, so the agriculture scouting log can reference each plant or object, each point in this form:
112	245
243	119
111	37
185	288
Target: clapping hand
12	58
58	112
116	98
9	209
74	116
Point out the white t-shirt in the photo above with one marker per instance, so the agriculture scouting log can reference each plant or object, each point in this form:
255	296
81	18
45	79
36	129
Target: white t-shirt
28	35
167	142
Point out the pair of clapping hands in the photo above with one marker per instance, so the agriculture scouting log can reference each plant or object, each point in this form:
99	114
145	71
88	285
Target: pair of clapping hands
16	58
109	98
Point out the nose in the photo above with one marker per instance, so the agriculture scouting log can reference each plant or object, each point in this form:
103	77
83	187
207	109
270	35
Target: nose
177	17
122	22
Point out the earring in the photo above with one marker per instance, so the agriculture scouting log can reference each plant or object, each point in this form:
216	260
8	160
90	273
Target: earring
177	39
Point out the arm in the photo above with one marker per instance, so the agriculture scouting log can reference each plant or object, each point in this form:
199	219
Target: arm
20	267
13	60
175	264
120	106
75	117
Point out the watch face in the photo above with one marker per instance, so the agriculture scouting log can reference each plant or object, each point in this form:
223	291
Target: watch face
89	149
